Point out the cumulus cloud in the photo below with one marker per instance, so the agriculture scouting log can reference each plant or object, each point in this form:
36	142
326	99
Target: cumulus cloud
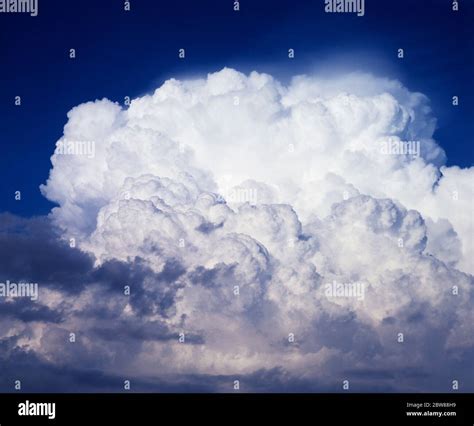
231	205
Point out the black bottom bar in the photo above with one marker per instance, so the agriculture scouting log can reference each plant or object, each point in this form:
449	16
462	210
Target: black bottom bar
313	409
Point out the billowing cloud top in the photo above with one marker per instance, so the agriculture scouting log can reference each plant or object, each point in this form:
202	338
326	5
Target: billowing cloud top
246	206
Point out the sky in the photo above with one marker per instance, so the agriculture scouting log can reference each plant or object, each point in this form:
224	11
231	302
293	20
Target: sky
236	195
128	54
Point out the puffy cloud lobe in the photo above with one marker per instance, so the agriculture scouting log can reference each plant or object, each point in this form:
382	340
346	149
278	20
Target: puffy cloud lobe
238	200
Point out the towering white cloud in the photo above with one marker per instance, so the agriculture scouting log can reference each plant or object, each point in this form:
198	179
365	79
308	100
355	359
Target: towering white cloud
266	194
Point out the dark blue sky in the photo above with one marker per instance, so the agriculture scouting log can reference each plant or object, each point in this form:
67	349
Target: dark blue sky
129	53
